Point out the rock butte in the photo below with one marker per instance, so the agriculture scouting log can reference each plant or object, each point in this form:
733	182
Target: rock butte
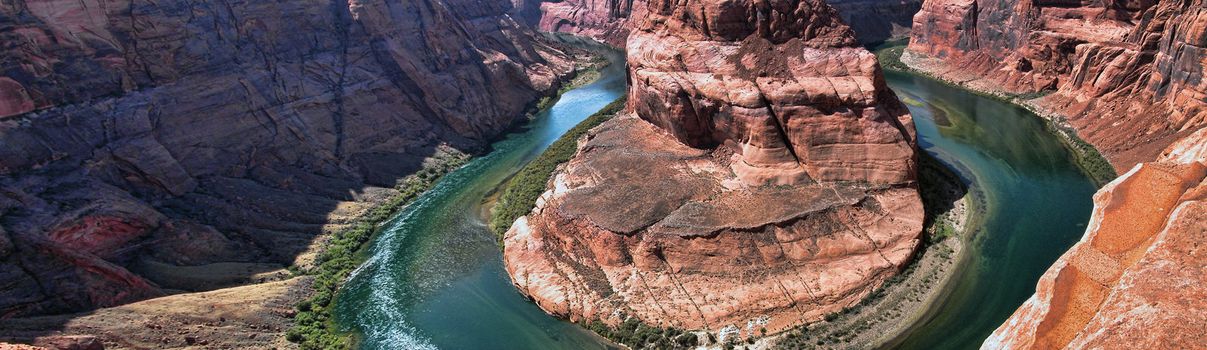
147	141
762	175
1126	75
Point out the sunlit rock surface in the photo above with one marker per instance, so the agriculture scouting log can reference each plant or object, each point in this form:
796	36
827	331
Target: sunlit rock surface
1137	279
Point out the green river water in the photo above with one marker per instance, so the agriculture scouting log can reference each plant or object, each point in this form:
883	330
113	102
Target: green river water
434	275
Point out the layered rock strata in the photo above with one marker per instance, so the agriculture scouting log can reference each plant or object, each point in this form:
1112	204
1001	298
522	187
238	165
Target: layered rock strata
763	176
607	21
1126	75
610	21
877	21
150	147
1136	280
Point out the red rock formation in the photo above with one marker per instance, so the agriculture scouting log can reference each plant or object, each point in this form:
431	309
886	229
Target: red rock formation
201	132
1126	75
610	21
764	175
1136	280
607	21
875	21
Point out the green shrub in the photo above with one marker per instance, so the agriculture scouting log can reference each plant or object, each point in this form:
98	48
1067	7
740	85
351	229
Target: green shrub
520	193
637	335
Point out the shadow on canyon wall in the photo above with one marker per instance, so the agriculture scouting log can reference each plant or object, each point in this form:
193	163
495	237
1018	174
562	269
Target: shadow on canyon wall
173	146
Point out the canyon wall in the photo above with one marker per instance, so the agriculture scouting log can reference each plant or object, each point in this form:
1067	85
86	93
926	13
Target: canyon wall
762	176
1136	280
610	21
1126	75
152	147
877	21
607	21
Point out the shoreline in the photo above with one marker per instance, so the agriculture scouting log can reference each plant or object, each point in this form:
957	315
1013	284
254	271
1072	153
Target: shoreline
836	335
294	308
1087	157
887	314
318	329
893	56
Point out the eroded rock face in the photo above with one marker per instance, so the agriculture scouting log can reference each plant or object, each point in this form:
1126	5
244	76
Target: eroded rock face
876	21
610	21
1136	279
607	21
1127	75
209	133
763	175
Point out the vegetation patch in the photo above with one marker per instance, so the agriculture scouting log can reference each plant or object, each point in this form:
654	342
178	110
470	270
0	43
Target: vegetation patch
940	189
313	326
583	76
889	54
1091	162
637	335
520	193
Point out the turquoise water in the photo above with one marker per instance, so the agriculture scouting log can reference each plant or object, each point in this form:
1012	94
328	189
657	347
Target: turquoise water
434	277
1037	203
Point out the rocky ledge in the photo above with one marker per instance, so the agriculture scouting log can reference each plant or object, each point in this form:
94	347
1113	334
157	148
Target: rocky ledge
1136	279
763	176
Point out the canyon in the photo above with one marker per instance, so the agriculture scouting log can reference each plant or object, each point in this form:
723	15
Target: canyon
1126	76
168	168
762	177
610	21
157	148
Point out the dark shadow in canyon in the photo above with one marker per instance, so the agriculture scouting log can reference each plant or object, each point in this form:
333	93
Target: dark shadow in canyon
231	136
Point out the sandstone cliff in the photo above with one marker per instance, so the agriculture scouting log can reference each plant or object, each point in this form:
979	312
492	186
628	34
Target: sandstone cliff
610	21
876	21
763	176
1126	75
150	147
1136	280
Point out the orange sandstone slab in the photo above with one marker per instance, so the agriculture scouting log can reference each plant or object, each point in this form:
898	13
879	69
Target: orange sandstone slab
1137	280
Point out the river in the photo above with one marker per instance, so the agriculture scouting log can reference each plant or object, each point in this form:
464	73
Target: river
434	276
1037	203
